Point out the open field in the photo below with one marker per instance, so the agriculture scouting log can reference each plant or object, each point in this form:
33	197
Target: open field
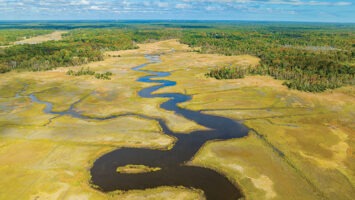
9	36
300	146
56	35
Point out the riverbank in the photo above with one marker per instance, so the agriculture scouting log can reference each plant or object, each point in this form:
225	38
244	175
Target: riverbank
312	132
44	156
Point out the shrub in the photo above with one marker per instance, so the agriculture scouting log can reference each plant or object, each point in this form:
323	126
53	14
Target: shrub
4	68
87	71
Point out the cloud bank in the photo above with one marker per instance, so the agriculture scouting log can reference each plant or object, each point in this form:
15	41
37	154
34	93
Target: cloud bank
275	10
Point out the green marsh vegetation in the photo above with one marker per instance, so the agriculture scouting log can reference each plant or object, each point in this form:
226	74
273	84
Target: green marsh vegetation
87	71
136	169
81	72
104	76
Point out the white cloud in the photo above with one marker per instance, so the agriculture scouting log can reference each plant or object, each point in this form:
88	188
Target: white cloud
200	8
81	2
213	8
307	3
162	4
343	3
183	6
97	8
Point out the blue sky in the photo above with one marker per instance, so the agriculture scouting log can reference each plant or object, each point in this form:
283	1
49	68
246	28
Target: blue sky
265	10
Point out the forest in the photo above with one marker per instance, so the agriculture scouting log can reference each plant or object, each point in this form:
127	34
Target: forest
78	47
309	60
309	57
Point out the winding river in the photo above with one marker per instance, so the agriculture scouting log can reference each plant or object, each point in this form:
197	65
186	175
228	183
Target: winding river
174	171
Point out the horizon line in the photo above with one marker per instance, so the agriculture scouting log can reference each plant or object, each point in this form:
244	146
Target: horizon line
171	20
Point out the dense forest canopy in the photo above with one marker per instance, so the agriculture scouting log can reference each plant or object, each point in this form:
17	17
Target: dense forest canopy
310	60
310	57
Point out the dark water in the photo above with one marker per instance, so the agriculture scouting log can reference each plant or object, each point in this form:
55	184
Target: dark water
173	171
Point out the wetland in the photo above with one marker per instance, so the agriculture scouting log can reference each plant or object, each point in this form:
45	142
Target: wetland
159	128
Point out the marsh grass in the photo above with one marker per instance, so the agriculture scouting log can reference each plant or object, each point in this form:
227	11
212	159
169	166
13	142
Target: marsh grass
136	169
56	157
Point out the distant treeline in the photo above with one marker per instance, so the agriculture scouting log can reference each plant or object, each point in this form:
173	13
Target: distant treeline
78	47
310	60
310	57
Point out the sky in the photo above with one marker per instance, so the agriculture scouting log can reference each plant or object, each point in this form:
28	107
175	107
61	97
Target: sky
255	10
